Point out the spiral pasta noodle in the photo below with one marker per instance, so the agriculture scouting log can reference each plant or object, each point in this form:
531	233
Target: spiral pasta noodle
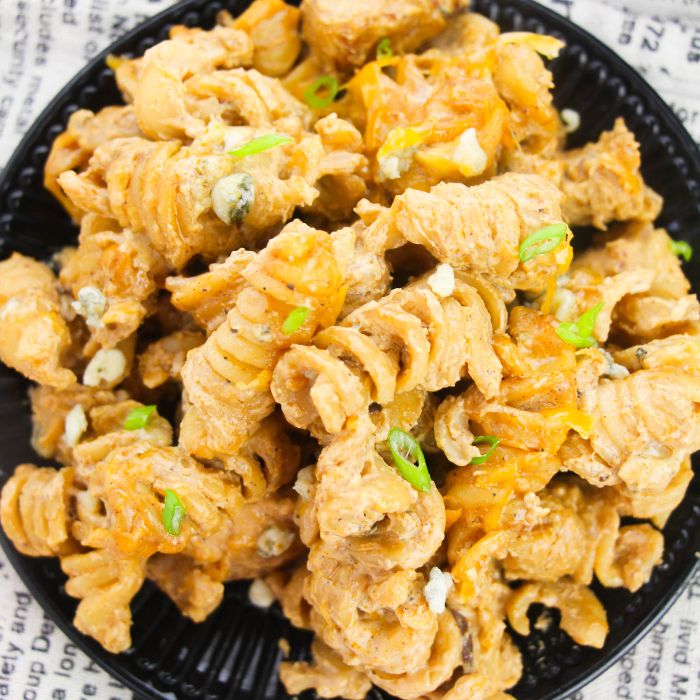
106	431
114	275
34	336
50	408
268	460
342	169
534	122
614	160
583	618
227	379
652	503
645	453
194	592
105	581
163	359
259	537
410	339
348	516
73	149
638	277
273	27
34	510
340	45
131	481
328	675
369	275
365	590
479	228
601	181
583	535
371	583
532	411
209	295
155	83
153	187
247	97
171	193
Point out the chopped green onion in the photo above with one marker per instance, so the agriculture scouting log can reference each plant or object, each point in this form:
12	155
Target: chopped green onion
173	512
322	92
260	144
138	417
485	439
295	320
550	238
580	333
402	443
683	249
384	49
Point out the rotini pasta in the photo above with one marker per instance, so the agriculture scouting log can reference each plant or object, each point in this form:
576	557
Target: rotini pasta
134	518
273	27
327	675
164	359
479	228
638	269
52	432
209	295
582	615
105	581
155	83
165	191
522	416
195	593
227	380
645	448
652	503
113	275
261	539
581	535
73	149
602	181
269	459
369	274
411	339
533	120
34	336
342	36
34	510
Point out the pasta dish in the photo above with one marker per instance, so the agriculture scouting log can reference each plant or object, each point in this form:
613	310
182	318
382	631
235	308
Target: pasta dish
325	328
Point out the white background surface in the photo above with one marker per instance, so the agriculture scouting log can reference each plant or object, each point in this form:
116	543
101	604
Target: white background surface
44	42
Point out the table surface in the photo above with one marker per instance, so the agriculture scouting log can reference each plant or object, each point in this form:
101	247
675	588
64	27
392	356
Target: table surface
43	43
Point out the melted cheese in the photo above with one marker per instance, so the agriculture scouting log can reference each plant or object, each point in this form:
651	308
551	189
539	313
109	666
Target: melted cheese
572	418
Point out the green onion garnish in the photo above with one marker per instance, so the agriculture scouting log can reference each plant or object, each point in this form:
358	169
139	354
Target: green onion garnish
683	249
173	512
295	320
402	443
384	49
485	439
580	333
260	144
138	417
550	237
322	92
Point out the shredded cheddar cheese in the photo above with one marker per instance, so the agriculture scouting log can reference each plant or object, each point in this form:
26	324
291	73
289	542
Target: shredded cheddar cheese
571	417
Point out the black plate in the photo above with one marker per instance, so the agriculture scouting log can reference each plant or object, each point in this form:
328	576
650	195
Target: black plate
234	654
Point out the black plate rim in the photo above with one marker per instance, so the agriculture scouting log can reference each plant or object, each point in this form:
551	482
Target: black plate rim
173	15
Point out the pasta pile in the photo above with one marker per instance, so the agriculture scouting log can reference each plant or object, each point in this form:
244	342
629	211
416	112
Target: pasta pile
324	328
